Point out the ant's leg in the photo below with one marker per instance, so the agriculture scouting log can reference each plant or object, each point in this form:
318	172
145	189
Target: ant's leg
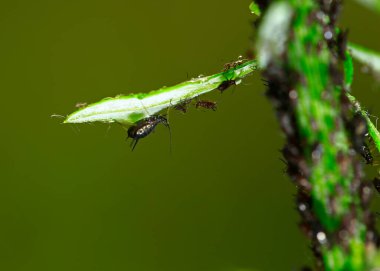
135	143
373	116
145	109
170	136
131	144
108	130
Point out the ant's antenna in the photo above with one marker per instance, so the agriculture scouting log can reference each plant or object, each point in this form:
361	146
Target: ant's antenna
75	128
58	116
373	116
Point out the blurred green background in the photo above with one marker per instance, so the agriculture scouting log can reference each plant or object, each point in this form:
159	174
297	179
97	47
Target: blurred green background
73	200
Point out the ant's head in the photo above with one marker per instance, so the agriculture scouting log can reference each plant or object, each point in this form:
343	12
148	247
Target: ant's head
163	120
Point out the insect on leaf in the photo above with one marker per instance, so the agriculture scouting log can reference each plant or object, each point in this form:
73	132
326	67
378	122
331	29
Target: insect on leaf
132	108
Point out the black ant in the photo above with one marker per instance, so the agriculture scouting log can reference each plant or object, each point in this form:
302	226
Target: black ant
144	127
206	104
226	84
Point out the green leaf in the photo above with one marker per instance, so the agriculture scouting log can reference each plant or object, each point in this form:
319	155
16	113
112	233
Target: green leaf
365	56
132	108
348	70
255	9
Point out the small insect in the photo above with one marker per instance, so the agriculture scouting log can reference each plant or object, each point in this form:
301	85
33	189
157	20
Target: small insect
233	64
366	153
144	127
376	183
80	105
370	153
182	106
226	84
265	82
206	104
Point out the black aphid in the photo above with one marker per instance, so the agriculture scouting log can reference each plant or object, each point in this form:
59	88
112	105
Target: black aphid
80	105
370	153
144	127
233	64
366	153
226	84
182	106
206	104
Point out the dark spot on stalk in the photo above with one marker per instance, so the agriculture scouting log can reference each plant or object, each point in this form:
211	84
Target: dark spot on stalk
316	153
287	124
376	183
346	106
344	163
365	191
263	4
342	44
336	75
358	129
366	153
304	206
335	9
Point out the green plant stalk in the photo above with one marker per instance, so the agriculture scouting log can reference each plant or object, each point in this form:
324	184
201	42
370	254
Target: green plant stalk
322	138
312	112
320	123
134	107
